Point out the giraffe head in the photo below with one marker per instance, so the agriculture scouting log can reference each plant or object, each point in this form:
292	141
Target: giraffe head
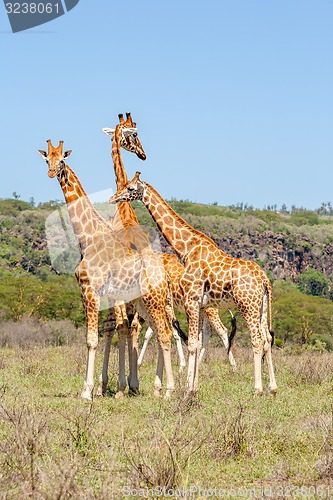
55	158
127	134
133	190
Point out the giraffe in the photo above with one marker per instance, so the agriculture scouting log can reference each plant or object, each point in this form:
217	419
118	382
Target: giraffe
211	278
126	321
108	269
125	135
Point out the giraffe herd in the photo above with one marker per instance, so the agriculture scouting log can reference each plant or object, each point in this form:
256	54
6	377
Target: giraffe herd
142	284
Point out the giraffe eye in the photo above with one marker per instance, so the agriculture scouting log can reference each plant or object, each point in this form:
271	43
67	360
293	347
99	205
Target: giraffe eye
135	135
130	188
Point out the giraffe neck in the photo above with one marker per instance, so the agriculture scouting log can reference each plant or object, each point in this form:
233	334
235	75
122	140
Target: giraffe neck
85	219
179	234
119	169
125	215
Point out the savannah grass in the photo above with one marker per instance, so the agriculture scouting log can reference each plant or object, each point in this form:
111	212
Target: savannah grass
53	445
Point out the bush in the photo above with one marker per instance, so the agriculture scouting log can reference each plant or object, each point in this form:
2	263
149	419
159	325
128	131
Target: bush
313	283
31	332
299	317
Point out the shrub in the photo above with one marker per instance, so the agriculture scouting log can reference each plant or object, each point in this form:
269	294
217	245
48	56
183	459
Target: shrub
313	283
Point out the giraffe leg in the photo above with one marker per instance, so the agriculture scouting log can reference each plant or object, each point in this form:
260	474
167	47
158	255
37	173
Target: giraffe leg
258	349
196	376
159	372
267	347
170	385
214	319
182	361
164	335
223	334
171	317
109	327
91	304
193	346
148	336
257	355
122	333
269	361
272	381
133	351
205	338
104	378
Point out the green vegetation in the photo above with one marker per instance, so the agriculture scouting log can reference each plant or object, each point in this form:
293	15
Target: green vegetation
300	318
313	283
54	445
56	298
295	249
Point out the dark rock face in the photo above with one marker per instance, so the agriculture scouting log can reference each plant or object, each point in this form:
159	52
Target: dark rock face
285	256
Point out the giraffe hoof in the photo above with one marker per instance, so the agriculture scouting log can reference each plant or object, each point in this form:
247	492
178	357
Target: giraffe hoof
258	392
157	393
101	392
119	395
168	393
273	390
133	391
86	394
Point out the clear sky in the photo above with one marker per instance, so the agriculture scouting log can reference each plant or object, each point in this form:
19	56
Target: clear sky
233	98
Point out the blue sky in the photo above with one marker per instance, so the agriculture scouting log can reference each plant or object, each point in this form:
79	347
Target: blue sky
233	99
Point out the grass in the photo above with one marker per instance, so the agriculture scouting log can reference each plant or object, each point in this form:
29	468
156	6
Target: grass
54	445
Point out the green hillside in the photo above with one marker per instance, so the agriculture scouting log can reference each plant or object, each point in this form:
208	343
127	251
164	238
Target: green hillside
295	248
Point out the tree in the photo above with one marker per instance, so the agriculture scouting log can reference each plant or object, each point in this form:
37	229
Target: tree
301	318
313	283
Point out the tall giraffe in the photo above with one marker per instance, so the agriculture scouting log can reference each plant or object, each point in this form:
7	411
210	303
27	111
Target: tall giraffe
128	325
211	278
108	269
125	135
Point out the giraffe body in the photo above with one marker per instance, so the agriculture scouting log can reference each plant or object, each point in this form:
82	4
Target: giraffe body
108	268
211	279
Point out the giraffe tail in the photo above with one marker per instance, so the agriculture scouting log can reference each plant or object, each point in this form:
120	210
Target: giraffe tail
232	332
181	333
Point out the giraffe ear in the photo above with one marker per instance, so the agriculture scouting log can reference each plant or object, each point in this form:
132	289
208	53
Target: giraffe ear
42	153
67	153
108	131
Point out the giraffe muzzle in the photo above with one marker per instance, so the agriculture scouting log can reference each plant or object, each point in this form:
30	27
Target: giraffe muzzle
52	173
142	156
